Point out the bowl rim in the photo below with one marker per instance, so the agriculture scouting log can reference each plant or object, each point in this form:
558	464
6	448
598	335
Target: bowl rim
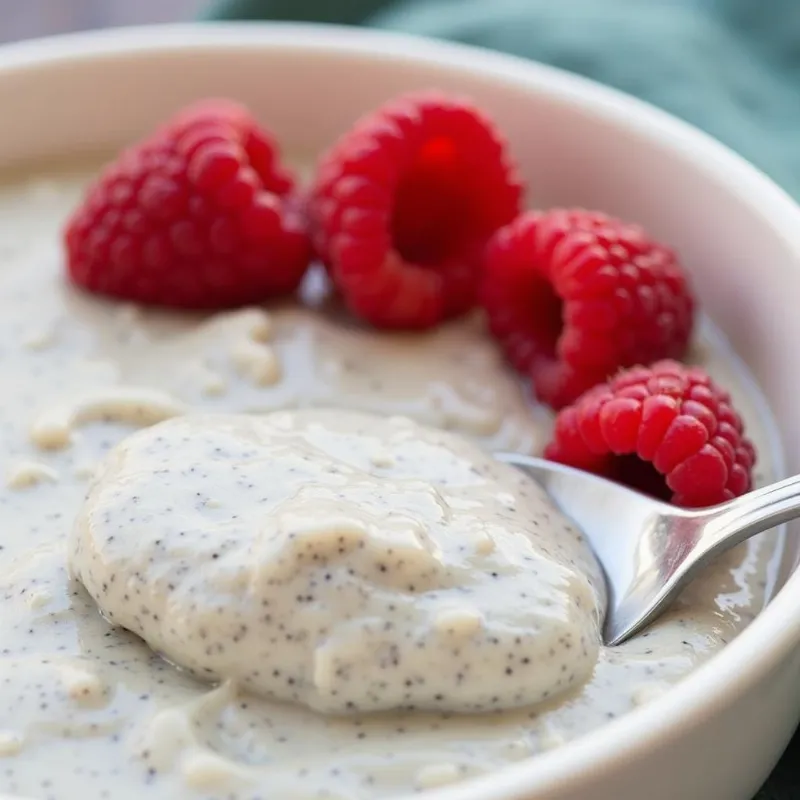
775	632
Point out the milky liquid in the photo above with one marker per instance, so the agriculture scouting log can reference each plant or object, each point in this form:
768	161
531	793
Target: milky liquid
89	710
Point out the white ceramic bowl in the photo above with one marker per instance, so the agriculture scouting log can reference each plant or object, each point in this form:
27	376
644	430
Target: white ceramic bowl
717	734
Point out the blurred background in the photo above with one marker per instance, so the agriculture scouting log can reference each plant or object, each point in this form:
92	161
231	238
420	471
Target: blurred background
21	19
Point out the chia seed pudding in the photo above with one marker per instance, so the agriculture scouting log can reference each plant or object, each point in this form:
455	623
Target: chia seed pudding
328	604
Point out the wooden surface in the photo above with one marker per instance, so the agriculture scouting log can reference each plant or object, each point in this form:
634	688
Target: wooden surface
22	19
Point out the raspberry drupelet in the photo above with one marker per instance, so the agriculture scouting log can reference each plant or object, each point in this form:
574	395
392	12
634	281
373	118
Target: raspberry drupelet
667	430
572	296
403	205
199	215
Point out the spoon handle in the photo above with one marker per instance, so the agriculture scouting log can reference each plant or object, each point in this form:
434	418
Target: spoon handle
748	515
711	532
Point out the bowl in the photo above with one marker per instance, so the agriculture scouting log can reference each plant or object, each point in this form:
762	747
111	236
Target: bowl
718	733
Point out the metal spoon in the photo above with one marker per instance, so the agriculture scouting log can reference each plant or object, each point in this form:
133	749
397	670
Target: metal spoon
650	550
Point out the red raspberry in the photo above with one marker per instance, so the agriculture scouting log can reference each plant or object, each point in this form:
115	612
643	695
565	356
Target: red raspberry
667	430
404	204
198	215
574	295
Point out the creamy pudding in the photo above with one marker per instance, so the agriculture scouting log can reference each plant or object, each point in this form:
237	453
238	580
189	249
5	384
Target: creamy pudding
89	708
343	561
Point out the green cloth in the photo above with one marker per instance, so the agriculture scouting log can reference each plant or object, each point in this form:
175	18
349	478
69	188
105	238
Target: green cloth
731	67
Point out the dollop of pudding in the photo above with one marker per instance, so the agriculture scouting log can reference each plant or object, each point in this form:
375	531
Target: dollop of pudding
340	560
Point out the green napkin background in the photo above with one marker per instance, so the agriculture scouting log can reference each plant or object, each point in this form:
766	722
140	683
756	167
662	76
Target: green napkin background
731	67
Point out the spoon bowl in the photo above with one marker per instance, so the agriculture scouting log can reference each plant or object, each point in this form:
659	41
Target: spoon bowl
648	549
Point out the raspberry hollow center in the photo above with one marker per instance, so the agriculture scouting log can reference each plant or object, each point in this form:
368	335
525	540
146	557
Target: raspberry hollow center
640	475
546	311
441	207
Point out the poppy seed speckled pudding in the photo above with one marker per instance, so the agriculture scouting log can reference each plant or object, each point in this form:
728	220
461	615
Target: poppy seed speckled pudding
255	542
381	566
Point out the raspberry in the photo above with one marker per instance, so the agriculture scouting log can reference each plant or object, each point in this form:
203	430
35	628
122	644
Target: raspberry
404	204
574	295
198	215
667	430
